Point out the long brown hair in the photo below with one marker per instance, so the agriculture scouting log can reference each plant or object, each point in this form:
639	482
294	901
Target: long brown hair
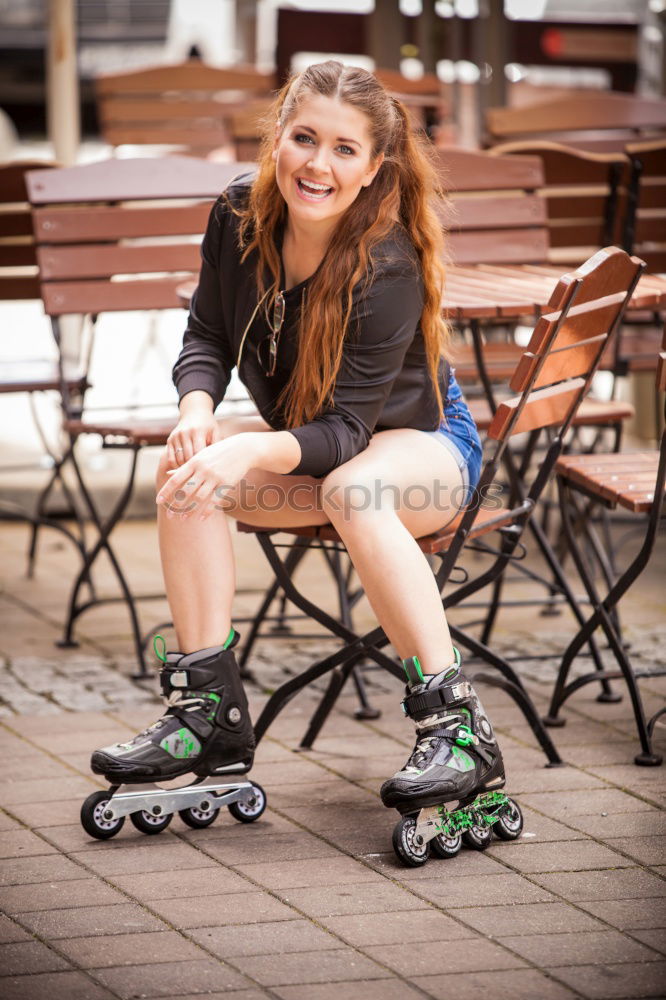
405	189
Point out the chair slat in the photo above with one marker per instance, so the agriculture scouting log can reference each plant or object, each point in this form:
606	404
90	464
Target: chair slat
193	75
77	225
502	246
595	112
147	178
98	261
123	110
167	134
482	213
94	297
466	170
544	408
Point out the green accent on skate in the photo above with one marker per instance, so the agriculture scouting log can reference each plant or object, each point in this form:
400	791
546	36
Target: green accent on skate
450	673
230	638
484	811
215	698
181	745
412	668
159	645
467	739
463	761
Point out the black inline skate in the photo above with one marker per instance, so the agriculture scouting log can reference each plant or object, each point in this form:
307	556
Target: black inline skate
206	731
449	790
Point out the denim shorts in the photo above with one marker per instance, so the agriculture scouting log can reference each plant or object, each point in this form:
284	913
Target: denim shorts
458	433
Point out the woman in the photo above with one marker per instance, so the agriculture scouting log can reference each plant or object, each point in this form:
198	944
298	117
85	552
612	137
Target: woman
321	280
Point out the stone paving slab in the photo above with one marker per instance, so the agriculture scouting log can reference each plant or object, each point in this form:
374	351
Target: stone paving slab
310	903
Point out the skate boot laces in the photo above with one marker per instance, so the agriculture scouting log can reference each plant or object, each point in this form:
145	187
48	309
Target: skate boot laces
175	700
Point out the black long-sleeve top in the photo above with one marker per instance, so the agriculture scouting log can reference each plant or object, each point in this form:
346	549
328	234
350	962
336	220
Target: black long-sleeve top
383	381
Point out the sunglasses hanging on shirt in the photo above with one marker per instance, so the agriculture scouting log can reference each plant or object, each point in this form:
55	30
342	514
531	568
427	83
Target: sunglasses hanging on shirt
267	348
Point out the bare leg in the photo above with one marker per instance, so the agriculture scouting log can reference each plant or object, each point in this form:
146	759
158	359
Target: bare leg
198	559
380	537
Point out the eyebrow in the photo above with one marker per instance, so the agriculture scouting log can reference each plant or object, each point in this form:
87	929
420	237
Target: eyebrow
306	128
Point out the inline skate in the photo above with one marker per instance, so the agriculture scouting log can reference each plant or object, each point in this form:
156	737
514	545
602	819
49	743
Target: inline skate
448	792
206	731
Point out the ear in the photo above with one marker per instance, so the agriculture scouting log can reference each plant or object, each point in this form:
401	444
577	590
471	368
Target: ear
372	171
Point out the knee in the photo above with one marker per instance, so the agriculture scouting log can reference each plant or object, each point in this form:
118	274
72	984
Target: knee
351	499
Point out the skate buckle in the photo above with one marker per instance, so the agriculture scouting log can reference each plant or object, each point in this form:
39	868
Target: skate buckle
465	737
179	679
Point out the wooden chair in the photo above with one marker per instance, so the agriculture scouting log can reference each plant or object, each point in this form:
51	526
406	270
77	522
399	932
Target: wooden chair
645	222
189	105
423	97
114	236
552	377
19	281
584	195
498	214
633	482
594	120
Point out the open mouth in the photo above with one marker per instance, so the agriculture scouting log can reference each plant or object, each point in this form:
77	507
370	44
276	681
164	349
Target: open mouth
312	190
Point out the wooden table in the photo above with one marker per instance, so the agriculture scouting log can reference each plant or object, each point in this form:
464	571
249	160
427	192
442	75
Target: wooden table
486	291
483	292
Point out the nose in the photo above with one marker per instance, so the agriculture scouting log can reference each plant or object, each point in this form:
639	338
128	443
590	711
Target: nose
319	159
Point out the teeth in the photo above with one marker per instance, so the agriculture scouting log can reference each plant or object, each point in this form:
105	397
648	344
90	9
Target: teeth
313	186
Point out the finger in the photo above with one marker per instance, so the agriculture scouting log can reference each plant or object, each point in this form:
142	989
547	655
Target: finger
178	450
174	491
198	441
188	451
205	495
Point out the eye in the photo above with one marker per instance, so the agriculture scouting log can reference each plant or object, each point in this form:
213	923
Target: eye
303	137
347	150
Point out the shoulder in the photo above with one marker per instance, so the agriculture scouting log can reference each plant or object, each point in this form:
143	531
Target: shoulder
234	198
395	253
394	267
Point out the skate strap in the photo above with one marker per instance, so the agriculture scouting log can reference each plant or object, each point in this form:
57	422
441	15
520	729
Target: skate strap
432	699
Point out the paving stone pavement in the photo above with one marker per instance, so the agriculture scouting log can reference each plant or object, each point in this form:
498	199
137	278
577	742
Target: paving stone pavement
310	903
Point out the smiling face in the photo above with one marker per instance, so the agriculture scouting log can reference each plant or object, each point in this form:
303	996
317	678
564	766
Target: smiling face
323	158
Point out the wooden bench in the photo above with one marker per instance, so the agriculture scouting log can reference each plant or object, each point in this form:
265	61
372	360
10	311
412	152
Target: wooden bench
190	104
33	376
594	120
114	236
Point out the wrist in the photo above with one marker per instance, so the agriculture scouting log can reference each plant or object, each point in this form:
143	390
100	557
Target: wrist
197	403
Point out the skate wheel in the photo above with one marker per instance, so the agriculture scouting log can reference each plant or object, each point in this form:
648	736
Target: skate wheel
411	849
147	823
92	817
198	818
509	825
477	837
446	847
248	811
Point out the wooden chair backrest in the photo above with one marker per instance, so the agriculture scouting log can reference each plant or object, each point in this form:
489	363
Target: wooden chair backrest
556	368
122	234
645	224
494	214
428	85
585	195
185	104
19	277
594	120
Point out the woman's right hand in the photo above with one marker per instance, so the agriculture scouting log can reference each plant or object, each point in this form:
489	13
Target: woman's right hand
195	430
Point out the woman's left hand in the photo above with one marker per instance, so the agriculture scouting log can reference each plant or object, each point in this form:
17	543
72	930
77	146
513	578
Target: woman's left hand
198	487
